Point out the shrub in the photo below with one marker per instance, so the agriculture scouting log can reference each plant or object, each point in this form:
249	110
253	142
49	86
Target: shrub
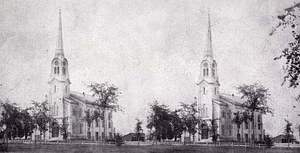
268	141
119	140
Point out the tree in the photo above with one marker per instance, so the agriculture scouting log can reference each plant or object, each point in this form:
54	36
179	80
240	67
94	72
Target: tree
159	119
214	130
256	97
138	129
106	98
238	120
288	131
41	117
289	21
177	124
10	119
88	118
189	117
27	122
64	128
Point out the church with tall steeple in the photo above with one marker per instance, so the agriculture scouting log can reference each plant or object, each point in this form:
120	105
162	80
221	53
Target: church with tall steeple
68	108
219	108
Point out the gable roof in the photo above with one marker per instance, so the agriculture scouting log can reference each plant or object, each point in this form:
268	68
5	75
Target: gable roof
231	99
76	98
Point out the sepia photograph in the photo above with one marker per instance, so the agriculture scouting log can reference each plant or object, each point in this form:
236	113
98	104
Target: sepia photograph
150	76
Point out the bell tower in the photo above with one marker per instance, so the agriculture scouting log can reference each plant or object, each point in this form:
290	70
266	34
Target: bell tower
208	79
59	78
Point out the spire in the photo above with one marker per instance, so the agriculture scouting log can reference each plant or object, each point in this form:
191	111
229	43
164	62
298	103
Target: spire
59	47
209	51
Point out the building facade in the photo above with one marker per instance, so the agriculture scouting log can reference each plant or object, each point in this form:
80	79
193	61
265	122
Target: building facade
221	107
68	108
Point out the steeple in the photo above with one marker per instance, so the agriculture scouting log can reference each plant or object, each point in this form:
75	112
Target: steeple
209	51
59	48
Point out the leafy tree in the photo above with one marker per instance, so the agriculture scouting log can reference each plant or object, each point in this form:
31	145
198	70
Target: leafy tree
177	124
41	117
27	122
64	128
11	119
214	130
289	20
138	129
189	117
106	98
158	120
88	118
288	131
238	121
256	97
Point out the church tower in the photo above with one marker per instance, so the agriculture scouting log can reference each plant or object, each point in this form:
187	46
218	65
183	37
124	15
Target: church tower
59	78
208	79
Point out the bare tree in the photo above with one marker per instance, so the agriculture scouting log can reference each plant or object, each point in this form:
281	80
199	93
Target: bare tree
138	129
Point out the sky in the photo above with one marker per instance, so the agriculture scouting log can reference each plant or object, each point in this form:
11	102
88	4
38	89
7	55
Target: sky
150	49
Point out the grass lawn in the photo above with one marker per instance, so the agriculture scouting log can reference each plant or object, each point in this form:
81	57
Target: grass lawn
74	148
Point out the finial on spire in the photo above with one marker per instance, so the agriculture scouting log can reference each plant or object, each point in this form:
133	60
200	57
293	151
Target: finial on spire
59	47
209	51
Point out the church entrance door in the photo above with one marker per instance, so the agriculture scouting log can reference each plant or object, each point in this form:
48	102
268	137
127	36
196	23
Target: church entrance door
204	132
55	130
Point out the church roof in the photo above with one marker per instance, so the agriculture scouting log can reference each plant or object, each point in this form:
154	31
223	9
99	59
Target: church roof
77	97
232	99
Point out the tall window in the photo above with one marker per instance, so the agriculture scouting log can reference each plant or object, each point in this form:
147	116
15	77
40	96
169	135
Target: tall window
54	89
246	125
205	69
56	69
222	130
203	90
80	128
97	123
73	128
109	124
213	70
230	130
258	119
215	91
80	110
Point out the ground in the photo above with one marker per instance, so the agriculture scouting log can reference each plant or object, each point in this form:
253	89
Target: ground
76	148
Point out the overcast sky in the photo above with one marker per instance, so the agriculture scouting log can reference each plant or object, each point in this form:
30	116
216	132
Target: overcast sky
150	49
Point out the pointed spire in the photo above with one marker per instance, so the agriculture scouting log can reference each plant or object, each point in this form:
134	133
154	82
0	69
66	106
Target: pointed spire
59	47
209	50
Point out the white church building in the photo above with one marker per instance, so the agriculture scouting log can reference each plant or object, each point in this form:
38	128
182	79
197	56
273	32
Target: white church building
221	107
71	106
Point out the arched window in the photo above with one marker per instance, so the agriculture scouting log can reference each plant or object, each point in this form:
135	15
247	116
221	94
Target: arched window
205	65
57	70
215	91
54	70
213	72
203	90
64	70
207	72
